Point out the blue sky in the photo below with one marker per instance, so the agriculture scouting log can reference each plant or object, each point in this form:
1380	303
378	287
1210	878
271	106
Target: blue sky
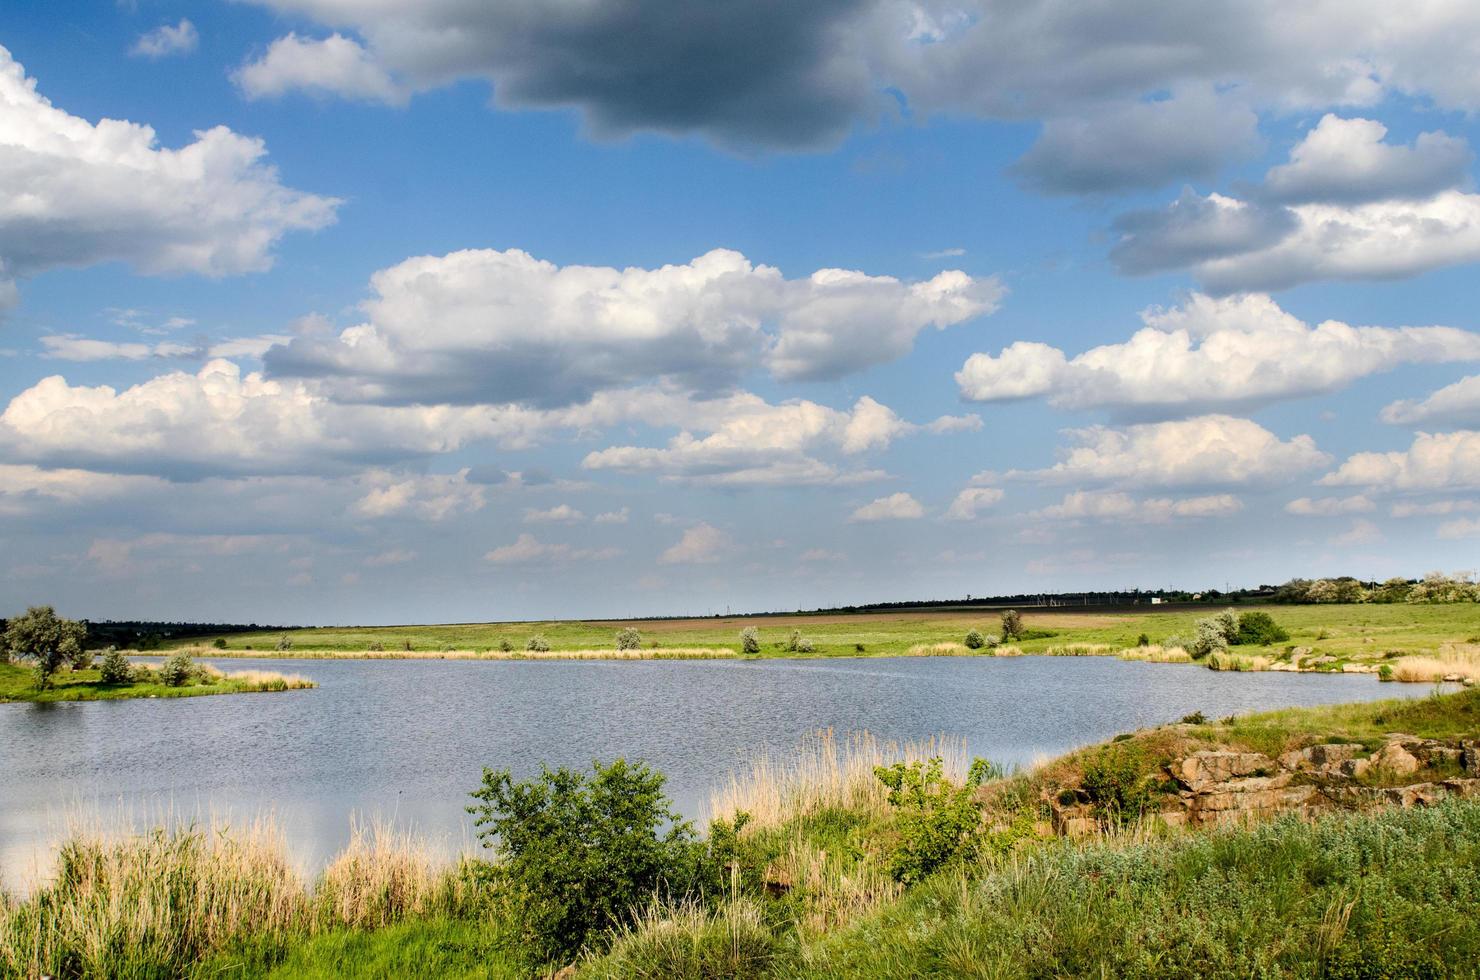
444	313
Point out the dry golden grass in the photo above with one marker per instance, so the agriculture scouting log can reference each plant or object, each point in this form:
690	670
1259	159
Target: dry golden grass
1007	650
1157	654
381	877
1454	660
940	650
256	680
824	772
1238	662
1082	650
661	653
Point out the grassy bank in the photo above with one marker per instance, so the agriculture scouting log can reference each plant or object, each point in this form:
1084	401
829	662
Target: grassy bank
17	683
1345	633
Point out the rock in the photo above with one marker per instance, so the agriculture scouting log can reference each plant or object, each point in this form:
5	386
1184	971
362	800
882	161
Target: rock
1321	757
1204	769
1417	794
1358	668
1465	789
1470	756
1395	758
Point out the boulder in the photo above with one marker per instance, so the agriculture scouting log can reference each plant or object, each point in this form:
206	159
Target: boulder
1395	757
1470	756
1321	757
1201	770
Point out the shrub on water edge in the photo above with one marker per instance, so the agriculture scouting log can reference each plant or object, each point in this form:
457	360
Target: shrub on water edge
505	646
975	640
1115	780
580	854
1012	625
375	646
284	643
1143	640
177	671
537	644
750	640
629	639
115	667
938	822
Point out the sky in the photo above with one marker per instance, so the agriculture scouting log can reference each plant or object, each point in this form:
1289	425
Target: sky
354	311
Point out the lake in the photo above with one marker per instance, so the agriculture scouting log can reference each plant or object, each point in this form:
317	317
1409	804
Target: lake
408	739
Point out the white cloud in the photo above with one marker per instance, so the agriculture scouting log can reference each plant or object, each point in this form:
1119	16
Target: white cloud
395	556
527	548
1121	507
167	39
335	65
1346	161
432	497
1461	528
1330	506
1211	450
1210	354
1361	532
895	507
71	347
22	487
80	194
559	514
699	544
1437	507
613	517
1441	461
1457	404
1346	206
969	503
490	326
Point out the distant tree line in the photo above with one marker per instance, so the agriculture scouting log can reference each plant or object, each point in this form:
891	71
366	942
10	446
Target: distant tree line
1435	587
133	634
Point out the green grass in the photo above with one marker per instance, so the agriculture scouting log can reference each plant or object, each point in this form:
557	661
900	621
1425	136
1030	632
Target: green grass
18	683
432	948
1351	632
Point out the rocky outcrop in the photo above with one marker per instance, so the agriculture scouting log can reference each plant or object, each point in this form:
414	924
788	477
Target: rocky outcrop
1219	786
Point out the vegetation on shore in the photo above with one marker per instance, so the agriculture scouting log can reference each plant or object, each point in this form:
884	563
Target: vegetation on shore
854	858
183	681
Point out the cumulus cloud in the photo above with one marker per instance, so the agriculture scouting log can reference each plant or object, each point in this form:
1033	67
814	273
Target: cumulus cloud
335	65
78	193
559	514
1434	461
1210	450
430	497
1464	527
490	326
1362	531
969	503
700	544
1139	145
1330	506
1211	353
1347	206
167	39
613	517
1346	161
23	487
752	442
895	507
1120	507
1457	404
527	548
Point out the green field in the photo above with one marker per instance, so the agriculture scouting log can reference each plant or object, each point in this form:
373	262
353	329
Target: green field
1366	632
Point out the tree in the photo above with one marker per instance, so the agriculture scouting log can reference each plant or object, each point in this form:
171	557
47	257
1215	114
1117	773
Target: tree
629	639
46	638
1012	625
750	640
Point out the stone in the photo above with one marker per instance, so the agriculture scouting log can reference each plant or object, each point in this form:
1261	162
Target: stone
1470	754
1395	758
1321	756
1417	794
1465	789
1204	769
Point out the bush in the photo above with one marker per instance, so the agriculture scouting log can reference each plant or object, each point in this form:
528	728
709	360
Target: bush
937	821
1012	625
581	853
284	642
41	635
505	645
797	643
406	645
115	667
375	646
1259	629
219	643
1215	633
82	660
1196	718
177	671
629	639
1115	781
974	640
537	644
1385	672
1143	640
750	640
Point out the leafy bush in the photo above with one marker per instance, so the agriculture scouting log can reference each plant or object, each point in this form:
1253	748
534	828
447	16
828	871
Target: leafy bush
974	640
797	643
1385	672
82	660
177	671
505	645
284	642
537	644
1115	781
1143	640
1196	718
937	821
750	640
41	635
629	639
1214	634
115	667
1012	625
1259	629
581	853
406	645
375	646
219	643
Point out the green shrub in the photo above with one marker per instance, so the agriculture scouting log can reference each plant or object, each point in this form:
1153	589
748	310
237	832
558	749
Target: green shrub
1115	779
581	853
937	821
1259	629
177	671
975	640
284	642
1385	672
505	645
1214	633
115	667
629	639
375	646
41	635
1012	625
537	644
406	645
750	640
1143	640
219	643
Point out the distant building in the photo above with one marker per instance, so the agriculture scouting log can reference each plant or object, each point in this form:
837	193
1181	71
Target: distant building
1156	600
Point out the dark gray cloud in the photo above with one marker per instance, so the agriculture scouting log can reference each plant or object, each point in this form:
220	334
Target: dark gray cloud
1194	229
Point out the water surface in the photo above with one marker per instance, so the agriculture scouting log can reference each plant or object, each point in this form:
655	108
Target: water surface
408	739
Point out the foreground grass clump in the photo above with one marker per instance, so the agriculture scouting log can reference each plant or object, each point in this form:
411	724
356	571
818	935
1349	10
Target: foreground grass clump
1393	894
18	684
